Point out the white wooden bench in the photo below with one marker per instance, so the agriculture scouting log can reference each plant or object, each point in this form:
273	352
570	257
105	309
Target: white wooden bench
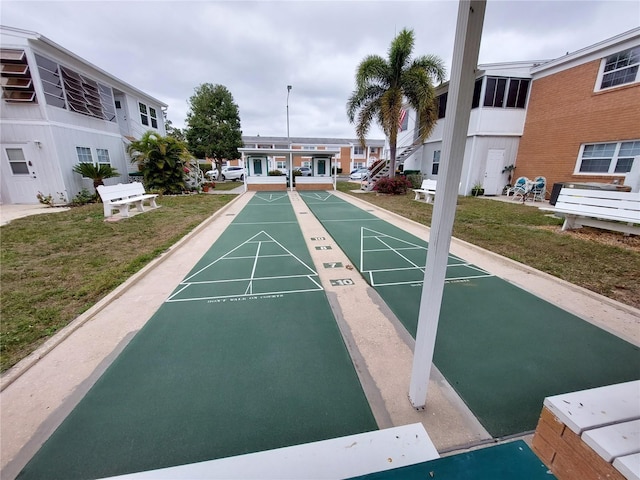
606	209
121	196
426	190
592	433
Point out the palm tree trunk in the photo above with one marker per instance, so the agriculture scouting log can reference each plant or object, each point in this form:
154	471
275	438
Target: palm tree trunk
393	139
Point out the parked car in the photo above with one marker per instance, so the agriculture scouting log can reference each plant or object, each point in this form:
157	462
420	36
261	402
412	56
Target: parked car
212	174
227	173
360	174
305	171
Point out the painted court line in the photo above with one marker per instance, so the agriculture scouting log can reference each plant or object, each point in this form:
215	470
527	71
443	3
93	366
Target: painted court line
384	239
271	198
317	196
258	240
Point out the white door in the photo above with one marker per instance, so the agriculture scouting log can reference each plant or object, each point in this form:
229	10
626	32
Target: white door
20	174
121	113
493	181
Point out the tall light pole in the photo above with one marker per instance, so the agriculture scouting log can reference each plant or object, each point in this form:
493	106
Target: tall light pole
288	90
289	143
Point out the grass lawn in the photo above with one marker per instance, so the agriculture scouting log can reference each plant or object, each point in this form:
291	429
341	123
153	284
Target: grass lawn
227	185
604	262
56	266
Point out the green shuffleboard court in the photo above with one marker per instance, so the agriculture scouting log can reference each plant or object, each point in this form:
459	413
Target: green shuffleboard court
508	461
244	356
503	349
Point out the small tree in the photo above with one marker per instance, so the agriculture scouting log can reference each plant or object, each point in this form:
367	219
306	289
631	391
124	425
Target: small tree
161	160
383	85
97	173
213	124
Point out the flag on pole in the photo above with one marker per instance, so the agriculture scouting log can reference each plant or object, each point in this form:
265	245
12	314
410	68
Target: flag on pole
401	121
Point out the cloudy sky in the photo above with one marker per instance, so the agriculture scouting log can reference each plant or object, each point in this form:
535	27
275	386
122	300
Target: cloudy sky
256	49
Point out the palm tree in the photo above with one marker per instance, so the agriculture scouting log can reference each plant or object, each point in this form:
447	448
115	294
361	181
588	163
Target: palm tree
161	160
97	173
383	85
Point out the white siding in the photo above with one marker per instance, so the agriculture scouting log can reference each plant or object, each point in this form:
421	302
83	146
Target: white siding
475	158
66	141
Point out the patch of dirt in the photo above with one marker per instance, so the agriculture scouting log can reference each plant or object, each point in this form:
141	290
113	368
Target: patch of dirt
616	239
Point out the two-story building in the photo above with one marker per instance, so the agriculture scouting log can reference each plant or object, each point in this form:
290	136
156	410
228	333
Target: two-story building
583	119
57	110
352	155
572	119
496	124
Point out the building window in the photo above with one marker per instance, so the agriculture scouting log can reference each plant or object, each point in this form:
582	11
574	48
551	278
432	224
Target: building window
144	116
154	117
17	162
436	163
621	68
358	150
308	147
51	82
306	163
477	89
358	165
84	154
517	92
17	84
442	104
514	89
65	88
608	158
106	99
494	93
281	164
103	156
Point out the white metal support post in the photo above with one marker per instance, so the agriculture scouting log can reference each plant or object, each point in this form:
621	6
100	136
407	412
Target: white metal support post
463	75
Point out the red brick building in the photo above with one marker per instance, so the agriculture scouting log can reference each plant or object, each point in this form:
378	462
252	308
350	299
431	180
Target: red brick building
583	115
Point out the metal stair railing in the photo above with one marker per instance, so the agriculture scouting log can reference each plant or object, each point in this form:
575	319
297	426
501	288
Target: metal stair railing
380	170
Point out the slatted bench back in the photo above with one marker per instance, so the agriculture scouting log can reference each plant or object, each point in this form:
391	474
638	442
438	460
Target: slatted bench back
429	185
612	205
120	191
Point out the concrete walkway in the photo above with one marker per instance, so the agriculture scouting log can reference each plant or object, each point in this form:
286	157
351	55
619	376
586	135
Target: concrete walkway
40	391
11	212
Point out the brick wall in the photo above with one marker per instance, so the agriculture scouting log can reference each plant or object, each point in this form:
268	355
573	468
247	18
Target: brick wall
565	112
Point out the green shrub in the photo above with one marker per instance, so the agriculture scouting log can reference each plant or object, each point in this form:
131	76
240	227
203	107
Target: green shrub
415	179
275	173
394	186
84	197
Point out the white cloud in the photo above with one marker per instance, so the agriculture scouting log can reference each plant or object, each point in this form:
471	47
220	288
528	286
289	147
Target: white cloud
256	49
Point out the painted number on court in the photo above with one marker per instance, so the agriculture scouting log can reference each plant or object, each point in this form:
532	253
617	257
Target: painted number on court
318	238
333	265
341	282
324	247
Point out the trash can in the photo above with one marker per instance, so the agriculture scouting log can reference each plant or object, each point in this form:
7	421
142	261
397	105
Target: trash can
555	191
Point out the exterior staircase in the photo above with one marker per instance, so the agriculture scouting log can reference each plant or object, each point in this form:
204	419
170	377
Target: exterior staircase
382	169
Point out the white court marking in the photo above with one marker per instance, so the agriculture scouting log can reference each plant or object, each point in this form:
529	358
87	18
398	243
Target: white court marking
385	240
259	239
271	197
317	196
